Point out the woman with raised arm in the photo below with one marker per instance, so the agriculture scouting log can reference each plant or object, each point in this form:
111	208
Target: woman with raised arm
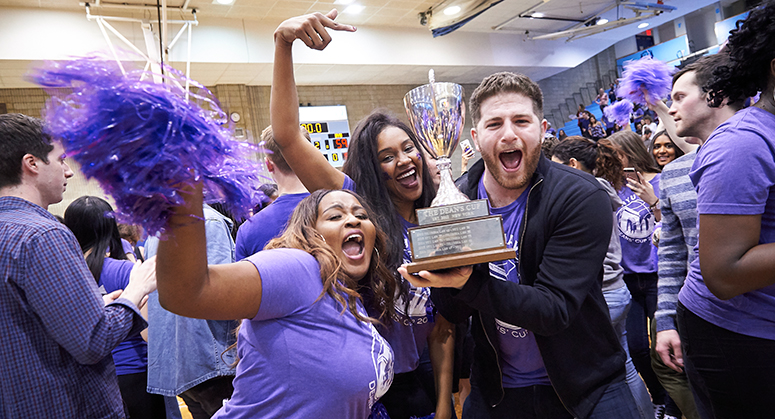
307	348
386	167
726	308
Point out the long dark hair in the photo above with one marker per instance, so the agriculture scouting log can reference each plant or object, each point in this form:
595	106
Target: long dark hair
90	220
362	166
600	158
379	283
678	151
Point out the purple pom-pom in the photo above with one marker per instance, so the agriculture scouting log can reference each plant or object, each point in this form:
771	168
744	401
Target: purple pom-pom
653	76
144	141
619	112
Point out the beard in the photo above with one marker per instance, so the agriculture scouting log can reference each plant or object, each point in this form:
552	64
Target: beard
514	180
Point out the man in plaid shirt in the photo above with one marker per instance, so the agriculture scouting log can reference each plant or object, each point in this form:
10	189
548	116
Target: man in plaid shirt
58	332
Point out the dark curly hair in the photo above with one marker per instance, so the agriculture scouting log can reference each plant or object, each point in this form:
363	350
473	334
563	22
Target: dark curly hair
749	52
601	158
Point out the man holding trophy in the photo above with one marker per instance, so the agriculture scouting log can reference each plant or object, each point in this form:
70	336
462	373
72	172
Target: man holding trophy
545	347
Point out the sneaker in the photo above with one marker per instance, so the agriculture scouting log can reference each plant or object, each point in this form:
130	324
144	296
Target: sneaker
670	417
659	411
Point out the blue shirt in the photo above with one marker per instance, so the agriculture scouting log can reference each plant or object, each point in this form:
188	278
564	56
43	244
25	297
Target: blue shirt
269	223
58	334
522	364
131	355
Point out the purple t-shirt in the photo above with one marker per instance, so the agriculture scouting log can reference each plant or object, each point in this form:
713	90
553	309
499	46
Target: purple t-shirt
267	224
131	355
734	173
636	224
408	334
300	356
522	364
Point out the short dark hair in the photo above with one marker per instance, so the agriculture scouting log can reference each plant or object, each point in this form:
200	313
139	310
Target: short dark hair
20	135
275	155
506	82
703	70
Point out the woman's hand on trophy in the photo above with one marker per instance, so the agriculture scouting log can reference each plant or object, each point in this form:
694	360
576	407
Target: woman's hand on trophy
447	278
311	29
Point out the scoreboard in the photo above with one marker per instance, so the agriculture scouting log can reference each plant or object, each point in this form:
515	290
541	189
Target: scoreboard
329	130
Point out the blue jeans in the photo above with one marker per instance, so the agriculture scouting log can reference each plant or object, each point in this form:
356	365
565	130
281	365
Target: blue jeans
731	375
617	402
618	302
643	288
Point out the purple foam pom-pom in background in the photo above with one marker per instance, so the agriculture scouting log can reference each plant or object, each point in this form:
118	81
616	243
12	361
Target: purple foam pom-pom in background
619	112
646	73
144	141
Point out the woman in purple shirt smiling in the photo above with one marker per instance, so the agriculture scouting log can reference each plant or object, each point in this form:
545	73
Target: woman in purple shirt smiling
307	347
386	167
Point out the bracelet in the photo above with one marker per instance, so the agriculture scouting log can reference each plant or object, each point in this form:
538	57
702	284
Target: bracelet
653	206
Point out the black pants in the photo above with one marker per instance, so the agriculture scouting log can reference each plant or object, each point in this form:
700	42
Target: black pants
204	399
138	402
731	375
408	397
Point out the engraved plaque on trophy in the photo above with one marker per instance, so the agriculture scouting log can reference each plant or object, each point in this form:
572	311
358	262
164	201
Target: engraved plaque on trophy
454	231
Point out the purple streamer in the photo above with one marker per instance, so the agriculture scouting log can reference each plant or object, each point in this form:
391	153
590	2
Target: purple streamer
620	112
653	76
144	141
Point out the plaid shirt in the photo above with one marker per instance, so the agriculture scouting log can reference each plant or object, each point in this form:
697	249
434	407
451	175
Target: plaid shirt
57	333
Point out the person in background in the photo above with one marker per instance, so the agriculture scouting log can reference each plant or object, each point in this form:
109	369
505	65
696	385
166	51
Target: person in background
191	357
648	122
255	233
59	332
726	308
130	237
90	220
561	135
596	128
694	121
636	220
664	149
602	99
602	159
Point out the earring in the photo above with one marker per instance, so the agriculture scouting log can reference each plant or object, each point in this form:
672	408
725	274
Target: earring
377	250
322	238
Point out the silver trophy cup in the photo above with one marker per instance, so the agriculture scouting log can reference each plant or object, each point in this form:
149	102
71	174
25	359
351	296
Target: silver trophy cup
437	114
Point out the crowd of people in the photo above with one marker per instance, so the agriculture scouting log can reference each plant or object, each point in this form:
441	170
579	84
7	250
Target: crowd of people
643	286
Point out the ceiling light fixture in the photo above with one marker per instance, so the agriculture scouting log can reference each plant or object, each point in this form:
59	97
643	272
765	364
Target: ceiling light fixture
643	25
537	15
602	21
354	9
452	10
345	2
224	2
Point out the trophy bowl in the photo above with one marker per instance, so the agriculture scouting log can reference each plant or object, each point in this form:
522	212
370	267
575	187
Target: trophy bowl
437	114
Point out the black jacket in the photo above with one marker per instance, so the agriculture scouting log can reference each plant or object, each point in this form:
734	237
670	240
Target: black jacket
563	241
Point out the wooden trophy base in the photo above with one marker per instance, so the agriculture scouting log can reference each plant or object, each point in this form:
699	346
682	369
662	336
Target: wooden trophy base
461	259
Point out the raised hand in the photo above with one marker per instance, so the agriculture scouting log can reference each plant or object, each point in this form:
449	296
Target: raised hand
310	29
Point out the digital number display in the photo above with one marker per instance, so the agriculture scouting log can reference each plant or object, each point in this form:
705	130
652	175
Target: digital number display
340	143
315	127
